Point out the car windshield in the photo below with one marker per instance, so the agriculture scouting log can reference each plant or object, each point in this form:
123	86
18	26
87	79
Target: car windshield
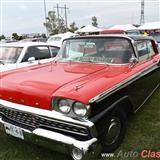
9	54
96	50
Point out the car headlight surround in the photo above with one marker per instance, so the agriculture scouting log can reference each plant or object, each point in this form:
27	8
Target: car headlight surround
64	105
71	107
80	109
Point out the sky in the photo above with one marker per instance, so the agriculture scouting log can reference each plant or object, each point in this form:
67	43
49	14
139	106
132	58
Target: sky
27	16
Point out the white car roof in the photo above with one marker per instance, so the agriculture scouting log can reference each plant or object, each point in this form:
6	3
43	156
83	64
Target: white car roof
27	44
64	35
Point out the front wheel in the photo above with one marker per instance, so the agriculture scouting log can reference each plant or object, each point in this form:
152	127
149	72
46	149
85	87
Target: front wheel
115	129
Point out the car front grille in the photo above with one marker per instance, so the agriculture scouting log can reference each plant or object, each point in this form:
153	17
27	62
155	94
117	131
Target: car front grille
31	121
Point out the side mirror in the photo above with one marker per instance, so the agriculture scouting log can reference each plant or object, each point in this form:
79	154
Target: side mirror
133	60
31	59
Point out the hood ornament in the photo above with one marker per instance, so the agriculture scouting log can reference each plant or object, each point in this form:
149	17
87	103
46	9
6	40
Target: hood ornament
77	87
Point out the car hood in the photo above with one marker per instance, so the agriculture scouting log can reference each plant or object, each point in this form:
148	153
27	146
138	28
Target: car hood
7	67
34	86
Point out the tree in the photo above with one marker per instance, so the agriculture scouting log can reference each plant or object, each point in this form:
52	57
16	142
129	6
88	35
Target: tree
61	26
53	24
16	36
72	27
2	37
94	21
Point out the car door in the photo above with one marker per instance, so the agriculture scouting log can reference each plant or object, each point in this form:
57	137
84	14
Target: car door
146	71
39	54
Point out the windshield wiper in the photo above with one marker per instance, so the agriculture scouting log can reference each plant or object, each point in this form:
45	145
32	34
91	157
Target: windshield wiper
1	62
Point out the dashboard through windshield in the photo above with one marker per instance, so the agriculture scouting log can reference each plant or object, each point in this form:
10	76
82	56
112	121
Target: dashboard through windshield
97	50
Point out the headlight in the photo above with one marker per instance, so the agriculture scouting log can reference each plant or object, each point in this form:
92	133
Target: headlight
64	106
71	108
80	109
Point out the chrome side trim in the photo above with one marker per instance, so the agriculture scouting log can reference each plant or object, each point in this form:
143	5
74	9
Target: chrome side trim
147	98
112	90
123	84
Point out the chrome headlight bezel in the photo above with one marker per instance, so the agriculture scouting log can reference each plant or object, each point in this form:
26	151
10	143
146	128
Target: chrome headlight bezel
80	109
71	111
64	106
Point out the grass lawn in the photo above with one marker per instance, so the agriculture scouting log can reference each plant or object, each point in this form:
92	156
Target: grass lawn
143	133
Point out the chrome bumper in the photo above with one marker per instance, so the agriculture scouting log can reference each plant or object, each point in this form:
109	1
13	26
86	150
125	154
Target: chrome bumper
44	137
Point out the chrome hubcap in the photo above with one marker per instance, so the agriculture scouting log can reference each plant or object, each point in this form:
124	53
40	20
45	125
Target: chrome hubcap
113	131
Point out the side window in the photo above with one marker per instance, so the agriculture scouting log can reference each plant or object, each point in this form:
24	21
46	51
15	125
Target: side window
151	49
38	52
54	51
118	50
142	50
145	50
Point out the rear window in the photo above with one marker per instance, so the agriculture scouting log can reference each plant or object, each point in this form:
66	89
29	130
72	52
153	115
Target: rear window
145	50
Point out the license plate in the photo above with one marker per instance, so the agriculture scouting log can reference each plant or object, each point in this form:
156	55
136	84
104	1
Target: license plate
13	130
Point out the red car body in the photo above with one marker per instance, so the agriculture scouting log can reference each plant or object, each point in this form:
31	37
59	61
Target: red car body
37	90
30	97
74	75
113	31
120	31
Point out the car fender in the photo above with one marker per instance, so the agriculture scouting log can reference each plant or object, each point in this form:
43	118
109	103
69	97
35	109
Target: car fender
124	100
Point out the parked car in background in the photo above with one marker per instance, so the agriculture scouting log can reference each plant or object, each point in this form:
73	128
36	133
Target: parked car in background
81	102
16	55
7	41
58	38
39	39
156	36
120	31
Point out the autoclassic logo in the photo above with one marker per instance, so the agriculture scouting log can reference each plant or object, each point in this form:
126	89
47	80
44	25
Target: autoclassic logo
144	154
150	154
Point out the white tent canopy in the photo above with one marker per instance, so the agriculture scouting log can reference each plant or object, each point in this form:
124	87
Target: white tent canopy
125	27
67	34
88	29
150	26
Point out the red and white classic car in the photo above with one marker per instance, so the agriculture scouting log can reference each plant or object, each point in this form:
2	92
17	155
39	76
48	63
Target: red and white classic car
82	100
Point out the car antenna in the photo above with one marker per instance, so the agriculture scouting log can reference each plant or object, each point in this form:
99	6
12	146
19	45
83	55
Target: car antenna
51	65
55	61
39	61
